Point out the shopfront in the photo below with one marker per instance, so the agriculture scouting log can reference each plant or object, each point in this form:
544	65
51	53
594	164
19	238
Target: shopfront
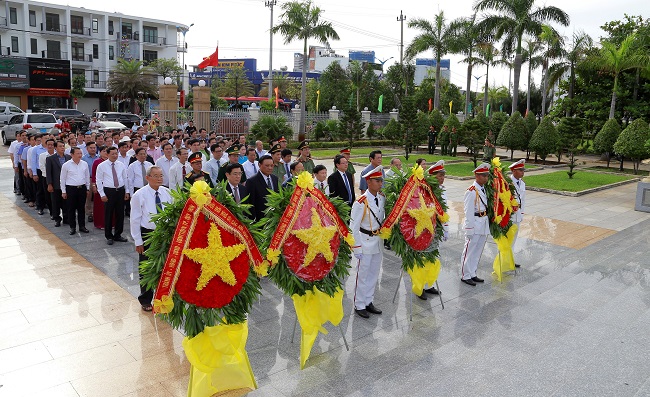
14	81
49	84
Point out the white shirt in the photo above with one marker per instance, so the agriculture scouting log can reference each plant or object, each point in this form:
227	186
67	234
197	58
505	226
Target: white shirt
30	152
212	167
130	153
325	187
165	164
143	205
176	175
104	176
41	162
520	195
134	175
74	174
475	201
251	168
260	154
124	160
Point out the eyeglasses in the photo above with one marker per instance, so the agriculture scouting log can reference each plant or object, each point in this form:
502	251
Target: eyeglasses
236	173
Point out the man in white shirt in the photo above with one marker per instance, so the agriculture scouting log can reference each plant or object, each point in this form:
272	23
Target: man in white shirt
320	179
43	179
94	124
146	202
518	169
259	149
111	186
12	150
178	171
213	165
250	165
477	226
395	162
166	161
136	174
75	181
122	156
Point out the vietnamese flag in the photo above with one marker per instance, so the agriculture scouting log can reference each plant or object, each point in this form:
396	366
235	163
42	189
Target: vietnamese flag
277	97
212	60
430	104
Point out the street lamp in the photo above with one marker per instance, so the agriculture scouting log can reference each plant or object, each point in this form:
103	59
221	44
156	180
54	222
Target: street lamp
270	4
477	79
184	31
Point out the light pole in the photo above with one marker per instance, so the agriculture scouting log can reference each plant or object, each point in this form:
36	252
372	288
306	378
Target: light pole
270	4
184	31
477	79
401	18
383	62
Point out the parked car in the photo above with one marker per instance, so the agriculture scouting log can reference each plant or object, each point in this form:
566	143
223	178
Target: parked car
110	126
32	122
72	116
7	111
128	119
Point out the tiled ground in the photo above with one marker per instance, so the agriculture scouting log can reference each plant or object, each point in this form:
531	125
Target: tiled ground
573	321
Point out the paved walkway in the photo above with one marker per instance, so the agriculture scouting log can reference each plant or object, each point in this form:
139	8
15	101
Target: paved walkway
573	321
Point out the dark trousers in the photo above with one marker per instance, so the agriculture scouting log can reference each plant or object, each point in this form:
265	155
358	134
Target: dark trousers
114	207
48	196
76	203
146	295
58	205
432	147
40	193
452	149
21	179
29	193
16	184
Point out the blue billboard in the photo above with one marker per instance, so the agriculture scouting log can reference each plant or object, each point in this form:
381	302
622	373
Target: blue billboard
255	76
444	63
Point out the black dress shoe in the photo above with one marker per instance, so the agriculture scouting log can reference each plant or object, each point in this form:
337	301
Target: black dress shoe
372	309
477	280
109	242
432	291
52	217
72	231
362	313
516	265
120	239
90	218
469	281
41	212
57	224
423	297
84	230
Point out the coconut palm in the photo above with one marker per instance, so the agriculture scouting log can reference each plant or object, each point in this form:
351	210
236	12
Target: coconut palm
467	38
497	95
436	36
301	20
581	43
553	44
281	82
487	55
131	80
514	19
531	56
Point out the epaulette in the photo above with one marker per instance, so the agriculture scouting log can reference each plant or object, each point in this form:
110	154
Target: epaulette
361	199
471	188
188	174
382	193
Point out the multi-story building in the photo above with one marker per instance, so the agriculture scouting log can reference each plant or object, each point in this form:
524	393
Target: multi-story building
43	46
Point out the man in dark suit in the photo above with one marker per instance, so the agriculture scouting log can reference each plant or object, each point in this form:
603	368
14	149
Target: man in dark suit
260	185
53	166
341	182
233	186
233	158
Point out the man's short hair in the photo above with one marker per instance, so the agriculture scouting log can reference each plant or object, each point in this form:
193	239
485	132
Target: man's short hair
122	144
337	159
110	149
150	138
374	153
293	166
214	147
265	157
165	145
192	141
319	168
286	152
392	161
180	150
152	168
232	166
250	149
138	150
73	150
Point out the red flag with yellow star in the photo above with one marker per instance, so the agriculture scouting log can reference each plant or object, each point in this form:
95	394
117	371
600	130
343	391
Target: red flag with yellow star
211	60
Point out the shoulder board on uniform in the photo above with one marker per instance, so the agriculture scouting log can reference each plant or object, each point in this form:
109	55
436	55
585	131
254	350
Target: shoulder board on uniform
188	174
361	199
381	193
471	188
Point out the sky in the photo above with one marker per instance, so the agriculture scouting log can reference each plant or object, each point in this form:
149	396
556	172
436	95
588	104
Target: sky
241	27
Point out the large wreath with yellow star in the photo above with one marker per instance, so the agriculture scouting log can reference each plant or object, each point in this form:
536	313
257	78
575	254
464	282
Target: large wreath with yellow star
306	238
501	203
213	240
416	209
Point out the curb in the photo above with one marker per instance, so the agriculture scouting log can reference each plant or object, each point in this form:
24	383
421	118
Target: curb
582	192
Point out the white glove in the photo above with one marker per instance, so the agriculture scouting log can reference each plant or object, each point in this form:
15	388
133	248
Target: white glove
358	256
445	235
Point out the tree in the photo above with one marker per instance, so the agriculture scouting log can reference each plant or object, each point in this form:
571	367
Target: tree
531	125
78	86
270	127
474	131
436	119
234	84
534	60
393	131
497	121
452	122
409	121
364	82
487	56
514	19
166	67
301	20
570	130
466	39
130	80
545	139
497	96
606	138
553	48
335	87
436	36
513	134
631	142
351	123
399	80
281	82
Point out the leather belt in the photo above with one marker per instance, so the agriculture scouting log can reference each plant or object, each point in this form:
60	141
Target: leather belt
75	187
480	214
369	232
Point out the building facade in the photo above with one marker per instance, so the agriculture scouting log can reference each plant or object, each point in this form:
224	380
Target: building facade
49	39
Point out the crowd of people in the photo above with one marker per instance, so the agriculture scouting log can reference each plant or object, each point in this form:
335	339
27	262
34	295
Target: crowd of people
84	178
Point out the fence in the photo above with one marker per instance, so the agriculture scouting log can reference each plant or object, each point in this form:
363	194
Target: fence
230	123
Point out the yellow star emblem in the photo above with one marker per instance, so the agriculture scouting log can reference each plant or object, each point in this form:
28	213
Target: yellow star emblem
423	217
215	259
317	237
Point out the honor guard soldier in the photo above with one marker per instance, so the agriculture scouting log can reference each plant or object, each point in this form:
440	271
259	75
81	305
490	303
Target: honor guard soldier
305	157
518	169
365	221
477	226
197	173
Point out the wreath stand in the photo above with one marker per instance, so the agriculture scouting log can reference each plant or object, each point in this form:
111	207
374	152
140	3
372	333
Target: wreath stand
410	309
295	325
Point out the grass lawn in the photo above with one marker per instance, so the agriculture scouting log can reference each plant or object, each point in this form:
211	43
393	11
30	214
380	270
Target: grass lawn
465	169
356	152
559	180
616	169
430	159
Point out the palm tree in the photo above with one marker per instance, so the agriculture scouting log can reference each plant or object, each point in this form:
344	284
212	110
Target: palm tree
301	21
235	84
437	37
533	47
281	82
615	60
553	48
467	37
497	94
130	80
581	44
515	19
487	56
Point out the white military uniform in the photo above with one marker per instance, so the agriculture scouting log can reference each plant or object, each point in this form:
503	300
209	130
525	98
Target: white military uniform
520	196
477	229
371	246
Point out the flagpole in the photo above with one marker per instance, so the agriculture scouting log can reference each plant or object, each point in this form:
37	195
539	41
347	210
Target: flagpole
270	4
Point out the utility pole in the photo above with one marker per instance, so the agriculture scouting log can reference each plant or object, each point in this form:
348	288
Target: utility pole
401	20
270	4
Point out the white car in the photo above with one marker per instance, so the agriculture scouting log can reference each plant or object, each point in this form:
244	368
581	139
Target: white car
109	126
31	122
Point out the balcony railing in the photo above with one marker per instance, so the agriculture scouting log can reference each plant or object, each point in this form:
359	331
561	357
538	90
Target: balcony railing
53	28
155	40
130	36
80	31
95	84
54	54
82	57
3	23
5	51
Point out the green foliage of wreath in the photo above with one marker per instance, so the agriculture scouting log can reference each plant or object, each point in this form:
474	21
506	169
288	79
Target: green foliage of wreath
393	186
496	230
184	315
280	274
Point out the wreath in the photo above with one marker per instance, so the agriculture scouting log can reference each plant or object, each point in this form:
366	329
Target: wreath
500	201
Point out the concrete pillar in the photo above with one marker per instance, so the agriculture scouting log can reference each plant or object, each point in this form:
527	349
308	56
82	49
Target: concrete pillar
295	123
334	114
394	114
168	103
254	113
365	117
201	105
